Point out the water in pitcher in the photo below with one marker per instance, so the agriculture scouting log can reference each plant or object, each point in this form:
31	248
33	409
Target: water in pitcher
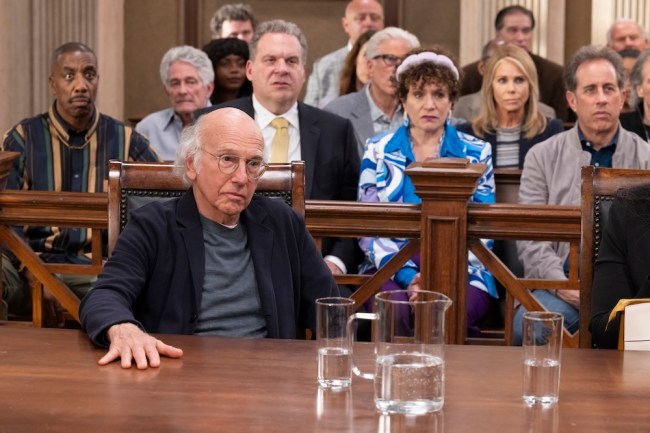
541	381
334	369
410	383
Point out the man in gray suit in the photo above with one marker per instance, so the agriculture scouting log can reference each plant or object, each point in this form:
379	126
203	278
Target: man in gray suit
376	108
323	83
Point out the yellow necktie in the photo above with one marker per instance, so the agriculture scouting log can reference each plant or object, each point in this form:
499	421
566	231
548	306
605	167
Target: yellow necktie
280	143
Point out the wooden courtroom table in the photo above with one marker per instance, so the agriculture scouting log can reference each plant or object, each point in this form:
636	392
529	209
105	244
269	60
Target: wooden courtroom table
50	382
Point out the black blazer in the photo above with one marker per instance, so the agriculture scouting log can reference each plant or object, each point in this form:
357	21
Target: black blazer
553	126
622	268
155	276
329	149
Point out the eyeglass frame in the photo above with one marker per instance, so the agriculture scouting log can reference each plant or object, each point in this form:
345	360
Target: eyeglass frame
389	59
263	165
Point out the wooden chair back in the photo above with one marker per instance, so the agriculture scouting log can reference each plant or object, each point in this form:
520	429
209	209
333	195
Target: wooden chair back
599	187
134	184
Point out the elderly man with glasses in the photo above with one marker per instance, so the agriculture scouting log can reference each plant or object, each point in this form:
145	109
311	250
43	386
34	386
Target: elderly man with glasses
216	261
375	108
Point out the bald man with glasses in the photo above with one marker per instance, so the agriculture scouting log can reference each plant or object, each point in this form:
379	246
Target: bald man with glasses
216	261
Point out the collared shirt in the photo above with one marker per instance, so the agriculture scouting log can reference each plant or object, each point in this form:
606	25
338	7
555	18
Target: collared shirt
264	117
603	156
381	123
163	129
54	157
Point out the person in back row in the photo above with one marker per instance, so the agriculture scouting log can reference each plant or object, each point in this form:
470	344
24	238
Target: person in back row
595	78
233	21
216	261
65	149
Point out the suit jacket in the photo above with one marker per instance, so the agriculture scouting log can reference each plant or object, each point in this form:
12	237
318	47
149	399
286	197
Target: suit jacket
325	78
553	126
621	269
328	147
155	276
551	84
355	107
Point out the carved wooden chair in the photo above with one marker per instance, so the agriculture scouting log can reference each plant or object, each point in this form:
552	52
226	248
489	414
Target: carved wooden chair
599	186
134	184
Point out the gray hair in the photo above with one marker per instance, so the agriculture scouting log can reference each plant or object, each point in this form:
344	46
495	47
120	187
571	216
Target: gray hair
190	55
636	75
231	12
625	21
386	34
590	53
279	26
189	147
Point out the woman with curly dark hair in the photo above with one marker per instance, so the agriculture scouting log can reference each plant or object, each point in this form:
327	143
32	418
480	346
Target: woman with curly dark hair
228	57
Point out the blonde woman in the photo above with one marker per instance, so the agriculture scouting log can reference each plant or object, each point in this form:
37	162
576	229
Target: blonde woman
510	119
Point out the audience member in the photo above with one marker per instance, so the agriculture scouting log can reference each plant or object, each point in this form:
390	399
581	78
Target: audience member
551	175
215	261
468	107
638	120
188	80
629	56
509	119
514	24
354	74
626	33
323	83
323	140
228	57
376	107
65	149
427	84
233	21
621	268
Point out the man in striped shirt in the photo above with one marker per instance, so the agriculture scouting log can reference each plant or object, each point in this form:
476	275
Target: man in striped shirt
66	149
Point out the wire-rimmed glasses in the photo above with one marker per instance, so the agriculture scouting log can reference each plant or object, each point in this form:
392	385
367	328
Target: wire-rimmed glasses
228	164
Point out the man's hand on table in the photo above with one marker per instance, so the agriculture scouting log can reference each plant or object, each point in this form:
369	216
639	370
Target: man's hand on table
131	343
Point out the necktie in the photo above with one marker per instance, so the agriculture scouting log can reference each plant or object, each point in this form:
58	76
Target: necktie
280	143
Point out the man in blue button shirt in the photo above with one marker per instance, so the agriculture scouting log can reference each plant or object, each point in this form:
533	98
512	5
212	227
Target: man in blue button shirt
595	81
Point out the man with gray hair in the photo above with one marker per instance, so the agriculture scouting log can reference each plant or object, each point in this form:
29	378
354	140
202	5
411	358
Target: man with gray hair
216	261
594	78
233	21
376	108
188	78
627	33
295	131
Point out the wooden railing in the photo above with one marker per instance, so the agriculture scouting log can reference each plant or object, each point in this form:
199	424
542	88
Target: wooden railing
443	227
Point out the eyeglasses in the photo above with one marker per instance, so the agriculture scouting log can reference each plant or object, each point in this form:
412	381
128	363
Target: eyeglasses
228	164
389	59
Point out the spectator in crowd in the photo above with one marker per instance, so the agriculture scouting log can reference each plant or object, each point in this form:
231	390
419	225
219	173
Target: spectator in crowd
638	120
216	261
354	74
594	78
629	56
626	33
509	119
427	85
515	24
228	57
233	21
188	80
66	148
323	83
469	106
376	107
621	268
296	131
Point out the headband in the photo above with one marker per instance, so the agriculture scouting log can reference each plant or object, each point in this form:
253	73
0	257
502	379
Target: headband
426	56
